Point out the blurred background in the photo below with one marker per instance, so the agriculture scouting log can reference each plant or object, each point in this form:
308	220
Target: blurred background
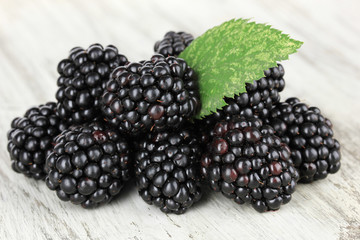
35	35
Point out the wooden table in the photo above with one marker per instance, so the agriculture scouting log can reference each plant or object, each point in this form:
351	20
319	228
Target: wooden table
35	35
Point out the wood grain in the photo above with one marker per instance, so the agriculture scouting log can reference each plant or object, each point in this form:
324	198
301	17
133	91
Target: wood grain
35	35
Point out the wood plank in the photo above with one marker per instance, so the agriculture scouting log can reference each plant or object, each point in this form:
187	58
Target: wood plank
36	35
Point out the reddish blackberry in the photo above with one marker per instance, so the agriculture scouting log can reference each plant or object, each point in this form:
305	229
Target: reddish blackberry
248	163
173	43
167	171
82	80
309	134
31	139
89	165
257	101
152	95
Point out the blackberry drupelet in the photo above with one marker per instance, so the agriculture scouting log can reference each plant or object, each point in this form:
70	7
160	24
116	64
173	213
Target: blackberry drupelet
153	95
257	101
166	168
89	165
248	163
309	134
173	43
31	139
82	81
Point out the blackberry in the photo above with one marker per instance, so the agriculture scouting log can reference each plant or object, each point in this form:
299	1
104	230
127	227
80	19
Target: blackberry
309	134
89	165
173	43
248	163
82	80
167	173
31	139
153	95
257	101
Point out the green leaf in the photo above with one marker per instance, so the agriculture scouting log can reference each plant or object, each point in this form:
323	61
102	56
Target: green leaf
228	56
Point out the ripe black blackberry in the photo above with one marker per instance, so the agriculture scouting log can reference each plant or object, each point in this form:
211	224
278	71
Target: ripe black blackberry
153	95
89	165
257	101
309	134
31	139
82	80
167	173
173	43
248	163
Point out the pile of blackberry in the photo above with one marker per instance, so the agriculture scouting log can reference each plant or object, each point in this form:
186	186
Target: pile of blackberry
116	120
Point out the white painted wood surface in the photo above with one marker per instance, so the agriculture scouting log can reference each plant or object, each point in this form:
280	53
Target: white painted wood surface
35	35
